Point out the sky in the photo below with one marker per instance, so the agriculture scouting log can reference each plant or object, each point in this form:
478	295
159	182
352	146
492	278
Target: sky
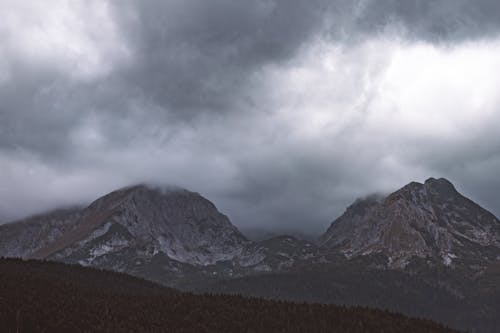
281	112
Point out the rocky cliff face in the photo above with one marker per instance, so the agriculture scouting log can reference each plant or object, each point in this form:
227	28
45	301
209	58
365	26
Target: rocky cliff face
139	222
159	233
430	220
22	238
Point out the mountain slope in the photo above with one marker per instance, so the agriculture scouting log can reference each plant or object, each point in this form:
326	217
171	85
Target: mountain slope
180	224
168	235
449	296
430	220
44	296
25	237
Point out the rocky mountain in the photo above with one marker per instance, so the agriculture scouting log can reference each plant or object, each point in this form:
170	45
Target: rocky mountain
424	250
163	234
167	234
22	238
431	221
180	224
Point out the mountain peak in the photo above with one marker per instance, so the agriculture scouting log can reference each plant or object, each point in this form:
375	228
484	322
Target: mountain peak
430	220
143	221
442	186
144	189
150	197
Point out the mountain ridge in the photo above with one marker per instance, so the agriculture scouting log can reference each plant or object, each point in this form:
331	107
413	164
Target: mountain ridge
419	220
424	220
424	241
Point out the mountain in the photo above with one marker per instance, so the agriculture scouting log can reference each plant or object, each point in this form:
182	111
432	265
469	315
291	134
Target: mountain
424	250
259	234
431	221
24	237
178	238
169	235
51	297
146	221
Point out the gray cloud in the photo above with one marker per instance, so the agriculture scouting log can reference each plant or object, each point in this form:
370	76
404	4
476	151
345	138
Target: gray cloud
206	50
442	20
281	112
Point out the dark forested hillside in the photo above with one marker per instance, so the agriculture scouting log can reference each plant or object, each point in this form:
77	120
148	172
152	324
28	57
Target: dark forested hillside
441	294
50	297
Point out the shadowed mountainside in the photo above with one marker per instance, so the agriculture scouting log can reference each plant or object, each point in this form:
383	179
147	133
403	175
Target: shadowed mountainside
453	297
49	297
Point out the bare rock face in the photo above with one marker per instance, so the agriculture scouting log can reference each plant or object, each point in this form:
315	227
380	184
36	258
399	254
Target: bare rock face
130	225
163	234
144	222
430	220
276	254
22	238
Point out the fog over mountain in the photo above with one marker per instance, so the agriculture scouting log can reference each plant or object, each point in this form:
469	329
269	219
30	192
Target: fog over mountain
281	112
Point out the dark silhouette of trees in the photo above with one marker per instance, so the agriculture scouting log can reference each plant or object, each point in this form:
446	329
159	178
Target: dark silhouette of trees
40	296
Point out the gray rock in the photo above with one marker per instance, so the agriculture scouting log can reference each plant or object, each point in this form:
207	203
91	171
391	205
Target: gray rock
430	220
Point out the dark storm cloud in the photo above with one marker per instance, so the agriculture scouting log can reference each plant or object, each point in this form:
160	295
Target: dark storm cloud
221	97
441	20
188	58
193	56
197	55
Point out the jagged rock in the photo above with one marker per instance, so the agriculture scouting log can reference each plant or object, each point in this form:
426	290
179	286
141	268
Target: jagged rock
178	223
163	234
430	220
24	237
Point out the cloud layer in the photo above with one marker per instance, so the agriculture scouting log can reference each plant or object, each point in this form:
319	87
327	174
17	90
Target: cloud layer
281	112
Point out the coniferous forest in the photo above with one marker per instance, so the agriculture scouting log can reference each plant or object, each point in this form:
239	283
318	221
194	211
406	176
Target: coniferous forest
38	296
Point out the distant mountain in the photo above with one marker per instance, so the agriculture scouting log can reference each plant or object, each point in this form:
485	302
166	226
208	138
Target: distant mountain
163	234
146	221
260	234
51	297
167	234
431	221
173	236
425	250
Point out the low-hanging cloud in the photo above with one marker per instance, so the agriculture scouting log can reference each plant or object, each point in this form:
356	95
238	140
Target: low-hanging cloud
281	112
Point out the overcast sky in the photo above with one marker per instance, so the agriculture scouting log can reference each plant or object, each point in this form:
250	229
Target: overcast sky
280	112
